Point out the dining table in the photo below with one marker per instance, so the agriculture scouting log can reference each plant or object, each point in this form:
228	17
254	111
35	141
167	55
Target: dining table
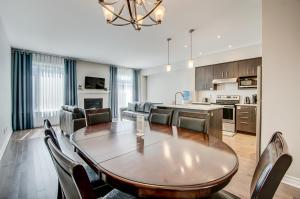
164	162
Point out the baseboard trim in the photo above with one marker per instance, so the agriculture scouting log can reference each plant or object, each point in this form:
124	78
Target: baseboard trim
292	181
2	150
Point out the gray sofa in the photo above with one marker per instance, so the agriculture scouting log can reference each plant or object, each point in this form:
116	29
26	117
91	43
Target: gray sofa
135	108
71	119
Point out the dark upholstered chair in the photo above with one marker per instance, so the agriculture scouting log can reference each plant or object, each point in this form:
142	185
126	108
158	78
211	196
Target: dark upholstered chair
73	178
92	175
71	118
272	165
193	121
161	116
97	116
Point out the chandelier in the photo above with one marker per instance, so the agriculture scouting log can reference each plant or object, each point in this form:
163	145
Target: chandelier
139	12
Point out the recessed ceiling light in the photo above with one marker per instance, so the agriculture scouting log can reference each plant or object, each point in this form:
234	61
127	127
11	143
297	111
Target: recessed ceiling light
185	46
229	46
200	53
219	36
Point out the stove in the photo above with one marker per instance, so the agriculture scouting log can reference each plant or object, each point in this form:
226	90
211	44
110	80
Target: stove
228	102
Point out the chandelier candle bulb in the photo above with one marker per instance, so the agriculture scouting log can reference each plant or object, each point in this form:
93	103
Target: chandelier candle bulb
107	14
160	13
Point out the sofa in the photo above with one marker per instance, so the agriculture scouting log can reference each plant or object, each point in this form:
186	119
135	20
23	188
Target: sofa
71	119
137	108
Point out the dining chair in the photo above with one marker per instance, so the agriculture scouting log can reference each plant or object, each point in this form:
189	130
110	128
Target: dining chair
193	121
161	116
272	166
73	178
94	178
97	116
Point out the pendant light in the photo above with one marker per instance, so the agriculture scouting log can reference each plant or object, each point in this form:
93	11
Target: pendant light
191	61
169	66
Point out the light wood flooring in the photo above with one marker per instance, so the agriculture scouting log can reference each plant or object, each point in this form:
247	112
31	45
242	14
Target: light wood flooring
26	169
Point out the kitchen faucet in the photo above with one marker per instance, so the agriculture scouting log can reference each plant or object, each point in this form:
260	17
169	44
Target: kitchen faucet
176	95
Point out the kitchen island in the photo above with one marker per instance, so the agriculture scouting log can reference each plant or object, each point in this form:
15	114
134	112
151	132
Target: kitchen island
215	112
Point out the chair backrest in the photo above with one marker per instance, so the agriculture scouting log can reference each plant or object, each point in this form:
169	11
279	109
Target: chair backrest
72	176
161	116
49	131
47	124
97	116
193	121
271	167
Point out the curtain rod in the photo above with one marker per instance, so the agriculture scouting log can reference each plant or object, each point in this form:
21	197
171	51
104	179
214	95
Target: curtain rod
66	57
37	52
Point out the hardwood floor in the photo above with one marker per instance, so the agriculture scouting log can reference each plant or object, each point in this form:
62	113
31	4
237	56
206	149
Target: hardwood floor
27	171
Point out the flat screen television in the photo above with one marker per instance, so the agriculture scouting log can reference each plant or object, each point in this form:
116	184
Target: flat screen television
94	83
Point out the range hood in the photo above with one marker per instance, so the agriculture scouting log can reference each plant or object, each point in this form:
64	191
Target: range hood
224	81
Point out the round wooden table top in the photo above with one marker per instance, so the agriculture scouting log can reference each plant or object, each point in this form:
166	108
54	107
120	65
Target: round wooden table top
167	162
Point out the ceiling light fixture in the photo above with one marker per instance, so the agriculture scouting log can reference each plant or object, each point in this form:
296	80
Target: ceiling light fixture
229	46
191	61
138	12
169	66
219	36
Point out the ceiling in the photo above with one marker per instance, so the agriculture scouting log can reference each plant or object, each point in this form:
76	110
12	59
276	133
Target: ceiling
76	28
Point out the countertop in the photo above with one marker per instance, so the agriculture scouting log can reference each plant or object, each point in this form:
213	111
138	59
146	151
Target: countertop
208	107
246	105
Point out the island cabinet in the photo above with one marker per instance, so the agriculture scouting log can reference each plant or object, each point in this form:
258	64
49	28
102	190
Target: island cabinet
215	116
204	78
225	70
248	67
246	118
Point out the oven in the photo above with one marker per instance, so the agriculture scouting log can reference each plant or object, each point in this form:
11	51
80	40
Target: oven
229	113
228	102
228	123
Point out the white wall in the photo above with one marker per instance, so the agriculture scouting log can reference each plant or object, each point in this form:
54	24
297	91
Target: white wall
281	74
163	85
91	69
5	89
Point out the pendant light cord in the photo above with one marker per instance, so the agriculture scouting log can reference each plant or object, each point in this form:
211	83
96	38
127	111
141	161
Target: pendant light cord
169	39
191	32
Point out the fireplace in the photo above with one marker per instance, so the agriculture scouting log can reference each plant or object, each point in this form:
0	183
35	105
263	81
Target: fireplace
93	103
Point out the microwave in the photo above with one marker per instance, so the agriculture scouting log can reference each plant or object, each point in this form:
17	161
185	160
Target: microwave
248	82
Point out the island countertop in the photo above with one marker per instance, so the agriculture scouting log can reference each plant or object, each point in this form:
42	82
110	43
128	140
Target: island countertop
208	107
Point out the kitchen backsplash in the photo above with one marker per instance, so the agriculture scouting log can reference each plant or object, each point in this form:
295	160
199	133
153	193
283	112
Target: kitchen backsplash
225	89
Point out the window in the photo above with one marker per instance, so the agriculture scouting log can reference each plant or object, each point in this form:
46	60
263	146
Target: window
48	88
125	87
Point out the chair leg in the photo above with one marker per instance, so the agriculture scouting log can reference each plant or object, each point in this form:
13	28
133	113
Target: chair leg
59	192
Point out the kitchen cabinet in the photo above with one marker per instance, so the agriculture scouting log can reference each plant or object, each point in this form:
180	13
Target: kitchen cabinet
248	67
204	78
206	74
246	118
226	70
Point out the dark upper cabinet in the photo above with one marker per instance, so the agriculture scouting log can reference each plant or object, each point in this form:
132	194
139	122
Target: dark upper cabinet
199	78
225	70
209	76
206	74
203	78
248	67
